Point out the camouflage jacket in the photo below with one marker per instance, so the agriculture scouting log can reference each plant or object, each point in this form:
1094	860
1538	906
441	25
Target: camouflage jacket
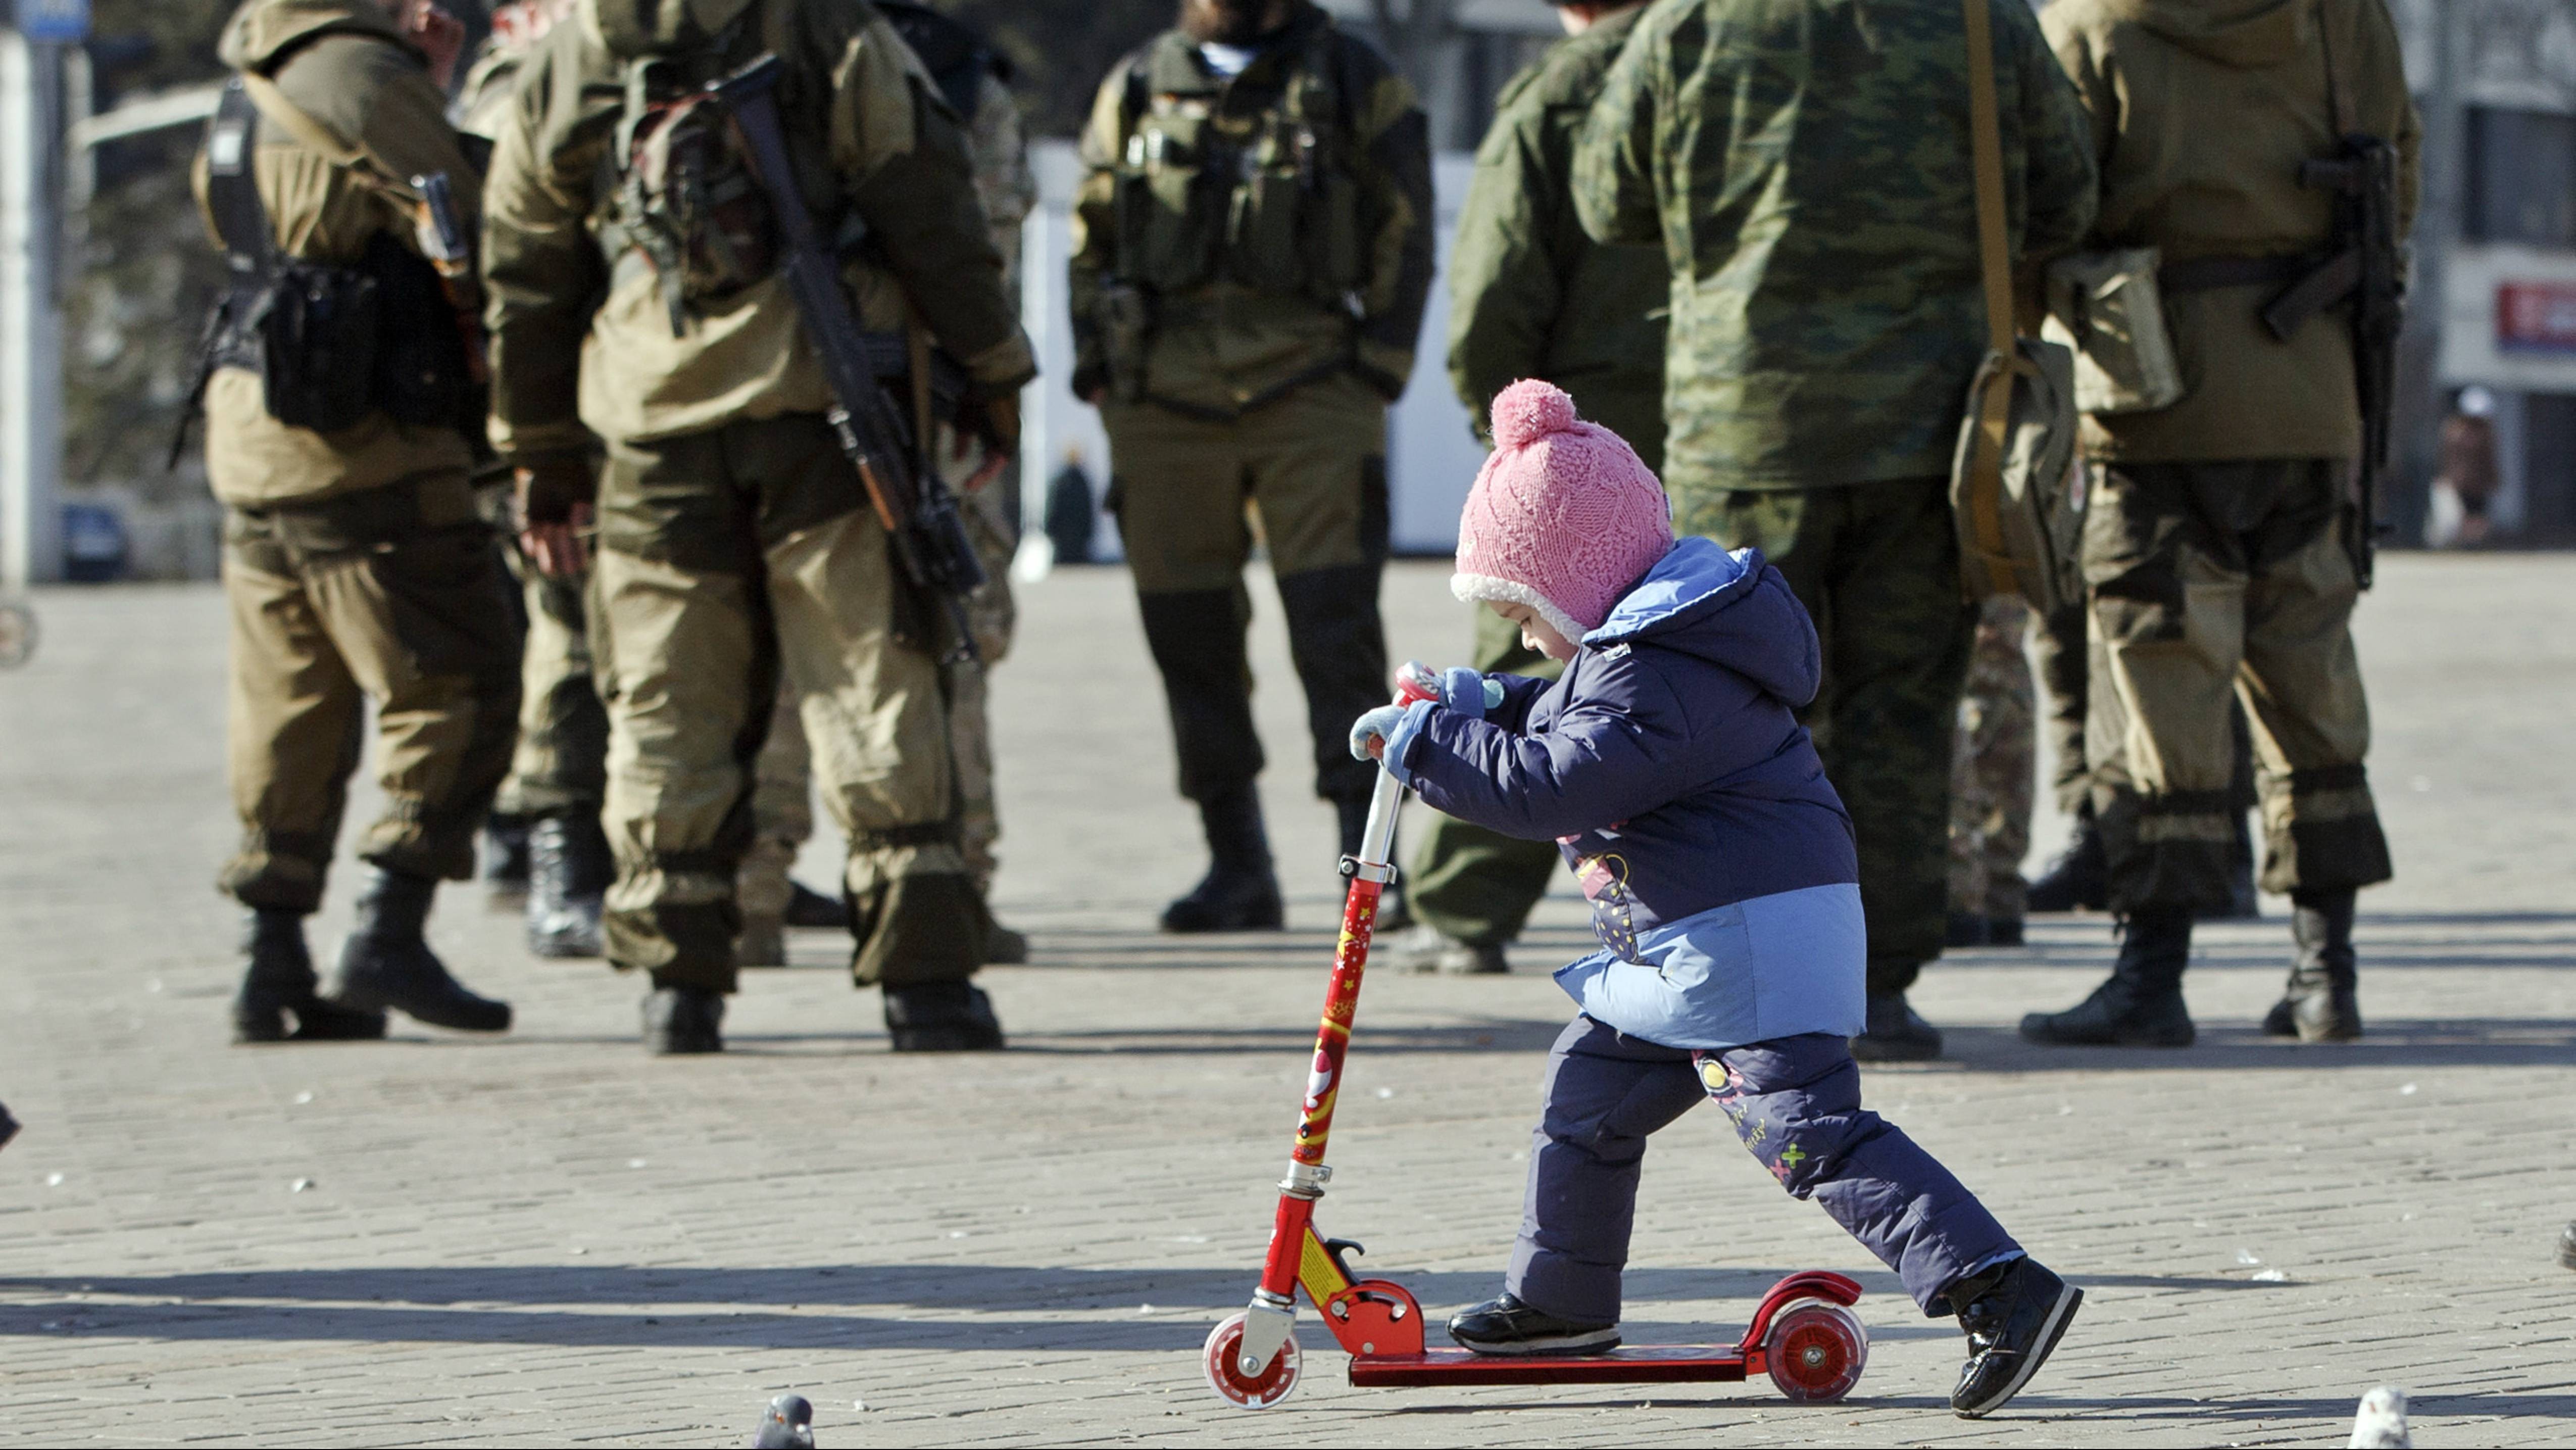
1530	296
348	115
1805	165
581	340
1253	233
2201	115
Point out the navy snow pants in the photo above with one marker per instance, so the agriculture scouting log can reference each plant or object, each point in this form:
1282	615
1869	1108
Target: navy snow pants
1795	1102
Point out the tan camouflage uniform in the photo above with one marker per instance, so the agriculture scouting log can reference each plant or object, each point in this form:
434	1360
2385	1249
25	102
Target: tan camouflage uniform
1994	768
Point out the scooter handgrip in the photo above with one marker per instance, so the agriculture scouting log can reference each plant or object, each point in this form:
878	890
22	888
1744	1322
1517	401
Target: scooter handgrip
1412	686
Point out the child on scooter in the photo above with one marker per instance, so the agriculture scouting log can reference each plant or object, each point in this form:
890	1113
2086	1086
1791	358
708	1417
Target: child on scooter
1669	766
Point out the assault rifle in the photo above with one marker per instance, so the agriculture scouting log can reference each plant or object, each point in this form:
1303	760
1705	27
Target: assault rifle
2368	267
913	503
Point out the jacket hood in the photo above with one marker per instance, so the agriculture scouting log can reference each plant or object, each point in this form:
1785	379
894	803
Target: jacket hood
631	28
1729	609
2246	34
263	33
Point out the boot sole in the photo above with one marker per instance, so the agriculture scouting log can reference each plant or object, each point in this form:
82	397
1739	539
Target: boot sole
2060	1315
354	997
938	1040
1592	1342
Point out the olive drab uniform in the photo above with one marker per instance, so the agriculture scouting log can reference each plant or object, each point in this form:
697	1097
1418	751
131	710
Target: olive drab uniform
1826	319
2215	538
1532	297
635	299
355	561
975	80
1252	255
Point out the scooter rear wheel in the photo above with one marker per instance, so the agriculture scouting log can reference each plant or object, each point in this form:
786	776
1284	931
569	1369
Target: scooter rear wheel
1816	1350
1226	1378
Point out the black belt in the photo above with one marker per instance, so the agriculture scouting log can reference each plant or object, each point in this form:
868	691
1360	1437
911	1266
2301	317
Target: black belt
2207	274
2310	284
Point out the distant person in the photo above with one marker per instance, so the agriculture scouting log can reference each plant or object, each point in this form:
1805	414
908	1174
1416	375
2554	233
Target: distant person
357	566
1669	766
1532	297
2223	546
2465	486
1809	161
1251	257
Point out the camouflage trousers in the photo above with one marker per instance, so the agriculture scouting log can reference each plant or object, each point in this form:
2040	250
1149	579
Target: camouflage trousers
2212	580
2065	668
560	766
728	559
1877	565
1993	768
1470	884
783	779
392	595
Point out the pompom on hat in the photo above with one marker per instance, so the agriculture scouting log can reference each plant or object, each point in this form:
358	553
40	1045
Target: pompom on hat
1564	517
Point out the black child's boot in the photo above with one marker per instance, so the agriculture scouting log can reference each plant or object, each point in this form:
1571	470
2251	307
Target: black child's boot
568	876
1392	912
2079	879
2141	1005
278	985
386	962
1241	890
2014	1314
2321	1002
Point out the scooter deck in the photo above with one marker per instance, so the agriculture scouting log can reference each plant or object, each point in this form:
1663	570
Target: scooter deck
1641	1364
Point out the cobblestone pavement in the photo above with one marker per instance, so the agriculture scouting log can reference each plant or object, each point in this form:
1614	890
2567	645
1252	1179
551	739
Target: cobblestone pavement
550	1238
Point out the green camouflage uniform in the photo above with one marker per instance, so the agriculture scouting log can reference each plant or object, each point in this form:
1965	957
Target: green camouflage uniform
1805	166
1993	768
1251	259
2215	542
1532	297
355	563
734	541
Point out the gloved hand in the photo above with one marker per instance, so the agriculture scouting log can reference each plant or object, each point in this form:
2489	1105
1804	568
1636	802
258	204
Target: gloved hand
994	422
554	499
1369	733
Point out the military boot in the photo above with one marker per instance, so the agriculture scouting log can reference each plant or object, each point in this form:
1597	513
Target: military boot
8	1126
278	985
1241	890
2141	1005
2321	1002
2080	878
941	1017
386	962
808	907
1893	1031
568	876
683	1021
1393	912
505	857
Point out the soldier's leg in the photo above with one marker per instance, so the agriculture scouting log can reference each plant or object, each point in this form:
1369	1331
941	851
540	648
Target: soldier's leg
688	671
782	815
406	583
1470	885
559	770
2009	764
2164	565
293	738
993	615
2079	878
505	829
865	659
1179	496
2311	724
1318	464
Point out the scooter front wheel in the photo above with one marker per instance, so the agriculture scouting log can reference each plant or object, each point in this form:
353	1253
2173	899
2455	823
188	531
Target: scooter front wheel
1816	1350
1226	1378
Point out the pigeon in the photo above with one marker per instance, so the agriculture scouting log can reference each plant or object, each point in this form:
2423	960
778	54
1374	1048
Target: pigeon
788	1424
9	1130
2381	1424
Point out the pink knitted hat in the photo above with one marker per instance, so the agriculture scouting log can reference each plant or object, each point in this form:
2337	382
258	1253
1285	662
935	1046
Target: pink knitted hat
1564	518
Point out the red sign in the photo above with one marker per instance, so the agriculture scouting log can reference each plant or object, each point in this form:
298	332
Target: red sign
2536	316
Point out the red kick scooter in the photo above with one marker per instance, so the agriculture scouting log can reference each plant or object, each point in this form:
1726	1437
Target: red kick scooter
1804	1335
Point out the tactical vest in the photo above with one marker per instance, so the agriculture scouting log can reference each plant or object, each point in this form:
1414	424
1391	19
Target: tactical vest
1270	202
331	343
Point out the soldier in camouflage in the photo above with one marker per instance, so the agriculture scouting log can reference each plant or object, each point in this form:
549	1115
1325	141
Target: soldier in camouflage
1532	297
735	543
1805	167
2218	544
1993	767
1252	255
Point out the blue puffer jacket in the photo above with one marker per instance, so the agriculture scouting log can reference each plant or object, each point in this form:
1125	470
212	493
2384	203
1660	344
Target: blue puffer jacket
1669	767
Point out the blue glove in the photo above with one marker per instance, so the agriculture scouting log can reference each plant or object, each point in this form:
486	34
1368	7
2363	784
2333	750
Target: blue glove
1378	725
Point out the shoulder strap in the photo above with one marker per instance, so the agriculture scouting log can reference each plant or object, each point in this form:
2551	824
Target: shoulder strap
1985	136
232	181
2339	90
